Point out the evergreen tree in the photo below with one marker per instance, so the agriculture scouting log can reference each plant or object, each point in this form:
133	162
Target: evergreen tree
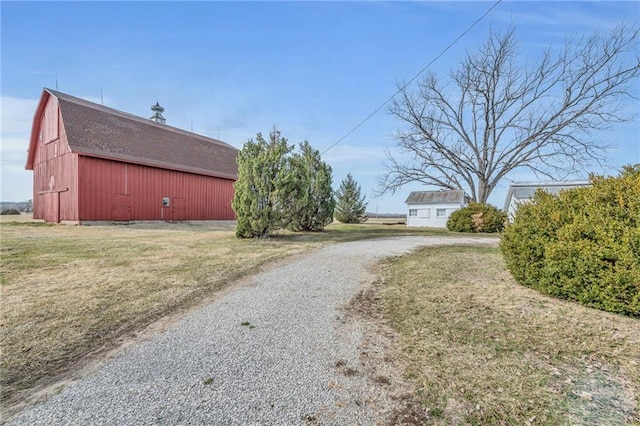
262	171
350	206
308	191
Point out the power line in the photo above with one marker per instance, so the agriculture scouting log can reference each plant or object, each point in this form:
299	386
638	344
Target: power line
414	77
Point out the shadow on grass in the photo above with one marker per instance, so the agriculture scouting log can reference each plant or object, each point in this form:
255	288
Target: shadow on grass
336	233
33	224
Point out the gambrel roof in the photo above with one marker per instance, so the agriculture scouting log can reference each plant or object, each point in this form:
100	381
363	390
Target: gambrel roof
97	131
436	197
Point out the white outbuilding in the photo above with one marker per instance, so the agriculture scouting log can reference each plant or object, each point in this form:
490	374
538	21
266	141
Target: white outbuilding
432	208
522	192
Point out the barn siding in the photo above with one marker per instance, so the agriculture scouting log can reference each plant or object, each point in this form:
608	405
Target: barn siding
112	190
54	184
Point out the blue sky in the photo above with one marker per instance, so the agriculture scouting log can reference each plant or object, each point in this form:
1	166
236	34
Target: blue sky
232	69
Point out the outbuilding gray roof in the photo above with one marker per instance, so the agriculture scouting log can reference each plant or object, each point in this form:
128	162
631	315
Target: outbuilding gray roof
525	190
436	197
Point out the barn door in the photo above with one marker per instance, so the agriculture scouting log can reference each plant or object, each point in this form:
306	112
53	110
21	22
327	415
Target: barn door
52	207
179	209
121	207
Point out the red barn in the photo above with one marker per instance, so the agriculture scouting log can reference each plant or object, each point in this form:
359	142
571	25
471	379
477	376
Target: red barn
92	163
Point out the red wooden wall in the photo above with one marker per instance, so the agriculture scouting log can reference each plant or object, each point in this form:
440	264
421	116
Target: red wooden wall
55	191
112	190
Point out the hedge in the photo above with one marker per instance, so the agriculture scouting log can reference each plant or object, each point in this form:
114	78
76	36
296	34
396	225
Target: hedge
477	217
582	244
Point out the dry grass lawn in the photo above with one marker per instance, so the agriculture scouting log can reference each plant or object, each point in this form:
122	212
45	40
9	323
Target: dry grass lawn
484	350
70	291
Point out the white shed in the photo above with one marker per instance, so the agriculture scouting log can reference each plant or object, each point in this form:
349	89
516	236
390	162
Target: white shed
433	208
522	192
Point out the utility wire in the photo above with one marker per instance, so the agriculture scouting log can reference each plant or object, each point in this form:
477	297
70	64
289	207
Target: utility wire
414	77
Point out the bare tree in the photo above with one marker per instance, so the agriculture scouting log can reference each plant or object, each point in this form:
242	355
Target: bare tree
499	113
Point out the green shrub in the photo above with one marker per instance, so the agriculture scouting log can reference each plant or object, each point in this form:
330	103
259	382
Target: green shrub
477	217
581	245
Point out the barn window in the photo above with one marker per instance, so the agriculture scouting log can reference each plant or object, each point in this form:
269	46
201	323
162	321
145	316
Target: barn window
165	201
441	212
413	212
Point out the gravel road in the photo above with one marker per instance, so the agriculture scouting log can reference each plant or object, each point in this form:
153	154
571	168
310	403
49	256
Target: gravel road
279	349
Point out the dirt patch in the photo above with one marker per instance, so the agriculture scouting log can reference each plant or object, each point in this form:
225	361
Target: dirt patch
377	361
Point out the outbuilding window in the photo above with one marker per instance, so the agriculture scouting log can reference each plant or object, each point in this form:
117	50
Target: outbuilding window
165	201
413	212
441	212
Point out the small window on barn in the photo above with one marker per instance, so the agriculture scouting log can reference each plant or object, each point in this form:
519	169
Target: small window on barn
413	212
165	201
441	212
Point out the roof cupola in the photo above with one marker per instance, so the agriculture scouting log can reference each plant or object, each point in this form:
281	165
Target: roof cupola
157	114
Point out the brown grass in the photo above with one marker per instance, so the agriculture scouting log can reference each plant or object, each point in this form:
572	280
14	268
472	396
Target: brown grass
484	350
70	291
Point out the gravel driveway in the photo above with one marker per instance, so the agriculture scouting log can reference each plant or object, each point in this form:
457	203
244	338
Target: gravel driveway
278	349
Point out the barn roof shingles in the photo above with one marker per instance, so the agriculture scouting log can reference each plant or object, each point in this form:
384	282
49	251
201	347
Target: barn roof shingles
434	197
98	131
